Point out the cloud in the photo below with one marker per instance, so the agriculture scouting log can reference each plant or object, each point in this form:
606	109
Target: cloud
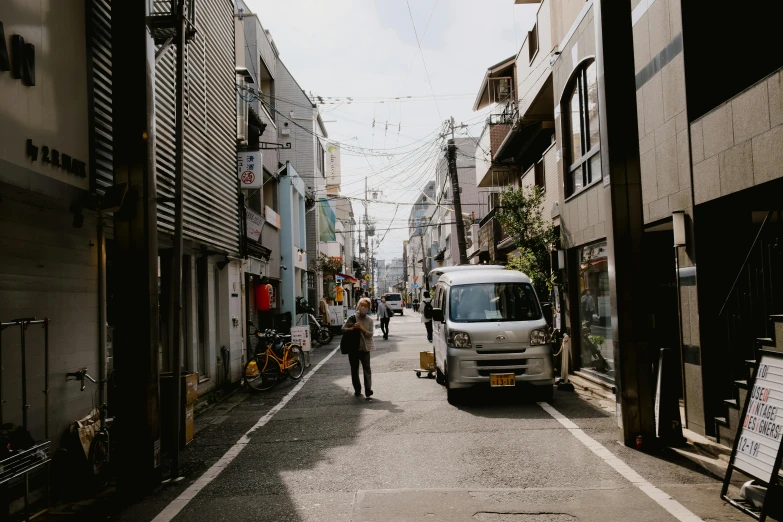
365	48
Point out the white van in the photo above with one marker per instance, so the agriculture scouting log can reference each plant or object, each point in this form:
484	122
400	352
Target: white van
488	328
394	302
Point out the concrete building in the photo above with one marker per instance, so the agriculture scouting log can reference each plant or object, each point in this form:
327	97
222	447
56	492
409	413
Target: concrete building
293	237
703	151
52	255
257	124
301	125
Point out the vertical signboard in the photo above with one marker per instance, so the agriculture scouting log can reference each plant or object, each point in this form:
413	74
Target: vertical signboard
301	335
255	223
250	170
758	441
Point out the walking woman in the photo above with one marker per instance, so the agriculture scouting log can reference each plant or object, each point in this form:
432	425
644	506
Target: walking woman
384	314
363	323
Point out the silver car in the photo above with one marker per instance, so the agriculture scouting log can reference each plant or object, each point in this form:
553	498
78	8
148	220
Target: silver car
488	329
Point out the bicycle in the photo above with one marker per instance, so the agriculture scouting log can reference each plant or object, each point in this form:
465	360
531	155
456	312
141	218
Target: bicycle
265	369
99	454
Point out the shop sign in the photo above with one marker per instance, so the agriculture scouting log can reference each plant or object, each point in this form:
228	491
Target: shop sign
250	169
57	159
761	432
301	335
757	446
272	217
23	67
255	223
272	296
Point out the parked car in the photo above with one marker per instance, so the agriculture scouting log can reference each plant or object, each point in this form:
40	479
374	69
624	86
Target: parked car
394	301
488	329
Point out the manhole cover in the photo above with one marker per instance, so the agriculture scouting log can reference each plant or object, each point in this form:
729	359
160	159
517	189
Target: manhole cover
485	516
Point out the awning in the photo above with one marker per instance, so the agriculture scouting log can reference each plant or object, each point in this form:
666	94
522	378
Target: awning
348	278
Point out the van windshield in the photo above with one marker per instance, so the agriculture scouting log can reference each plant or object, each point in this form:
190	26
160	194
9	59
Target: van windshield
493	302
393	297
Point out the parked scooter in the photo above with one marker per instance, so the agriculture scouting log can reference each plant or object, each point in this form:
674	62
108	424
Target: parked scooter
319	333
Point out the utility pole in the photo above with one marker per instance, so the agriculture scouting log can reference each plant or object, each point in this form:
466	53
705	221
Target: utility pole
137	430
366	239
175	314
452	160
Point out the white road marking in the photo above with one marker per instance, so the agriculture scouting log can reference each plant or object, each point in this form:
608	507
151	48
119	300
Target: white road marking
179	503
676	509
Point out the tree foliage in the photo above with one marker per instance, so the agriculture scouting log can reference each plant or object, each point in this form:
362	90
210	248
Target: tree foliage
520	216
326	265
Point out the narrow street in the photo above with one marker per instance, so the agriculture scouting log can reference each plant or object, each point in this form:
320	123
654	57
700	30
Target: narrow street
407	454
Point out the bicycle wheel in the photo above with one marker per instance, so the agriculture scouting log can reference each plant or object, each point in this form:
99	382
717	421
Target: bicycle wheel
261	373
315	337
325	336
99	458
295	360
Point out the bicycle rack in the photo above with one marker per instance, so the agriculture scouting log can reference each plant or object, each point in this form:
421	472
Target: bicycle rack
25	461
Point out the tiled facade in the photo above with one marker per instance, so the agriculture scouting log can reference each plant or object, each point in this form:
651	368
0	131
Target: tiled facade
739	144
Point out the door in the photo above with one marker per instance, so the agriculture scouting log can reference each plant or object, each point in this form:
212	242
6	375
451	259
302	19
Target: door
438	328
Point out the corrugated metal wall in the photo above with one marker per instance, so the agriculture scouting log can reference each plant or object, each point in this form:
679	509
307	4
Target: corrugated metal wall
100	70
211	205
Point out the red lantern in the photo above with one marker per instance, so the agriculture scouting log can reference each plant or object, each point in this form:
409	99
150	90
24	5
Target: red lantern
262	297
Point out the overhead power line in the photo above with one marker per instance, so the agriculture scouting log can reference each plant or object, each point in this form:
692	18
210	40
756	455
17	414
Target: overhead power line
423	61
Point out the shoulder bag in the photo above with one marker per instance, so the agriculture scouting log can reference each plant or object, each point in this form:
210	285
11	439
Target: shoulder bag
349	343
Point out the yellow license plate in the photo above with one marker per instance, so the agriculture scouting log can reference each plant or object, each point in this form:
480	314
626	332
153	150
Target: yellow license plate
502	379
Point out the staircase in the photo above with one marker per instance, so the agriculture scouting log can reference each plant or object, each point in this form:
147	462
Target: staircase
749	319
726	427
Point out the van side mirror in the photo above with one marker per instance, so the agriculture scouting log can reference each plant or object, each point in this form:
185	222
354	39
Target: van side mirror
437	315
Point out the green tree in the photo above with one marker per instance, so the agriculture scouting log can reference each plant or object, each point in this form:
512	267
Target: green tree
521	216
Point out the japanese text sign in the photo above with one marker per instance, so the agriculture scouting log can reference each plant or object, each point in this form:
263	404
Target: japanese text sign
250	170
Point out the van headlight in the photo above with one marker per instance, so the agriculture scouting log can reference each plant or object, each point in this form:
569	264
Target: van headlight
459	340
538	337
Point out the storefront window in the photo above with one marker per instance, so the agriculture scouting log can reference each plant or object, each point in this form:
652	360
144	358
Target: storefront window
595	312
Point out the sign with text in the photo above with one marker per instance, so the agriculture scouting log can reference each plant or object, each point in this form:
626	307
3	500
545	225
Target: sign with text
255	223
250	170
272	217
759	437
301	335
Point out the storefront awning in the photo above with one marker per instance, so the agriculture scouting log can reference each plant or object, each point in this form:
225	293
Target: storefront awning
348	278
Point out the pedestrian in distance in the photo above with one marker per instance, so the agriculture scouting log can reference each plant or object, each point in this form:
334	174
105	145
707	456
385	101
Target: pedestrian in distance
363	323
384	314
426	315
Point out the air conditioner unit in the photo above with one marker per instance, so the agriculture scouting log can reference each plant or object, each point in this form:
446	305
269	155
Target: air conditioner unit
241	130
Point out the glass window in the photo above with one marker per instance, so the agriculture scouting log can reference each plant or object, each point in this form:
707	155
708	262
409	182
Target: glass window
595	168
493	302
583	128
577	181
595	312
592	107
576	126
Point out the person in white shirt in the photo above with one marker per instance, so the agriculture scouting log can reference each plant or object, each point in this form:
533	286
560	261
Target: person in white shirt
384	314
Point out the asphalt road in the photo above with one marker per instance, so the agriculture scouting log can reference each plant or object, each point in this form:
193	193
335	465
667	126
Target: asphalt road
406	454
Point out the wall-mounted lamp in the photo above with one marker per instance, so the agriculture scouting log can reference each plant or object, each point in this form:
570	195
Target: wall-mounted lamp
678	226
561	259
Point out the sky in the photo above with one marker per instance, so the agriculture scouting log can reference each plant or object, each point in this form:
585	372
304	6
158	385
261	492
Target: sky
367	50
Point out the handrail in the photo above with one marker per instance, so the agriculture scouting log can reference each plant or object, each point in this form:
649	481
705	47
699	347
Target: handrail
747	258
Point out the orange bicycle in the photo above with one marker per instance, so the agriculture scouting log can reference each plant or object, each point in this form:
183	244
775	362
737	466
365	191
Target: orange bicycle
274	357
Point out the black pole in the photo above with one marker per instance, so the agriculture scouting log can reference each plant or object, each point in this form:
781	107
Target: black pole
23	327
175	317
136	346
461	243
624	217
